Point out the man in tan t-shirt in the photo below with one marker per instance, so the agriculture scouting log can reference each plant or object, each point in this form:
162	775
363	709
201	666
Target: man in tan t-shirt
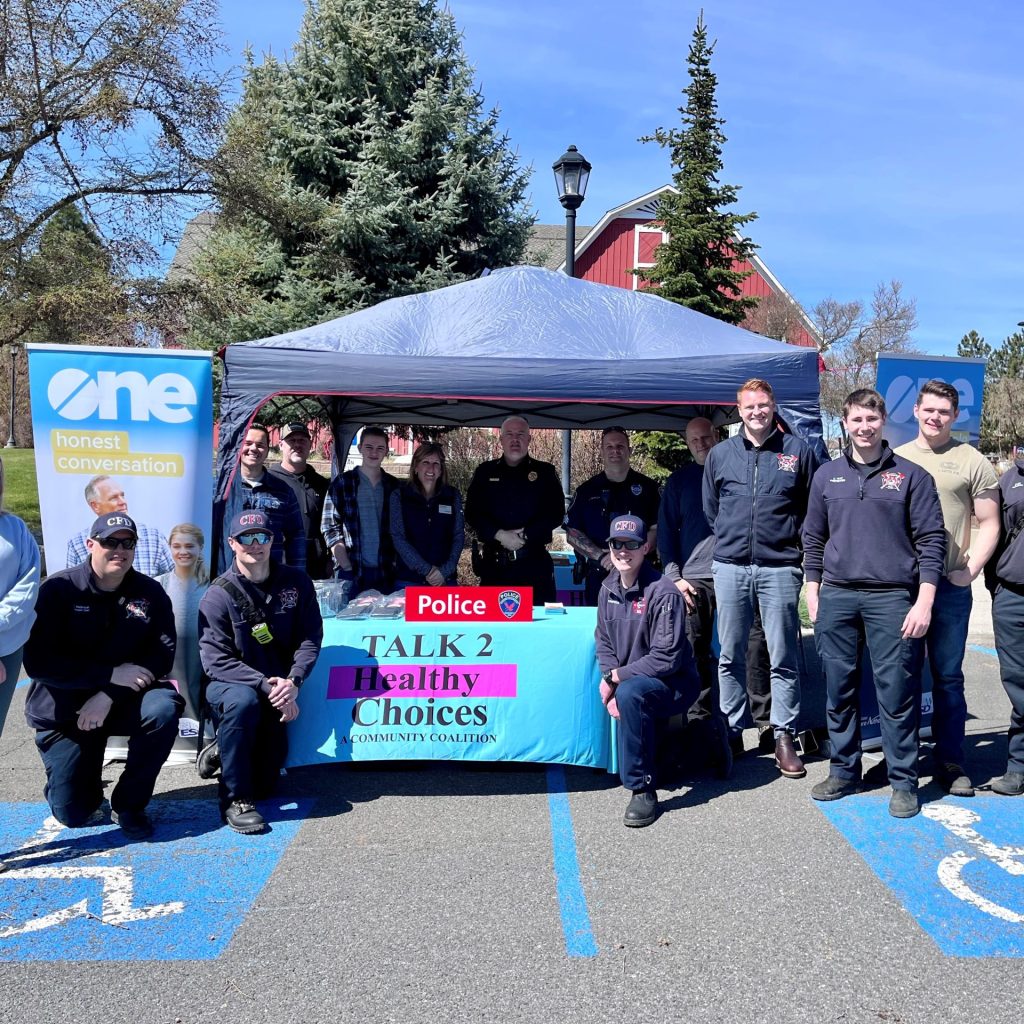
967	484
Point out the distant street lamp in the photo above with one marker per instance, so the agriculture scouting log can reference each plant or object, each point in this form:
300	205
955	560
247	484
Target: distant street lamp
572	172
14	356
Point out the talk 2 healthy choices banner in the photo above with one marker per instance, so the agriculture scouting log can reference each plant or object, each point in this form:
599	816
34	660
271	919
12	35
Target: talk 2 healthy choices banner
134	427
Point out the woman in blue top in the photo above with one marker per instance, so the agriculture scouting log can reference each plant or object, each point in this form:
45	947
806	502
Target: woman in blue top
427	525
19	587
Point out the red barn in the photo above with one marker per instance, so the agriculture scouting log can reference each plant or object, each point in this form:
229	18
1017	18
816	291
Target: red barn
625	240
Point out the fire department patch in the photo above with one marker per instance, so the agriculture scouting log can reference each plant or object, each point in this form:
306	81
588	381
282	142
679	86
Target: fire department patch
289	598
138	609
638	606
788	463
636	489
892	481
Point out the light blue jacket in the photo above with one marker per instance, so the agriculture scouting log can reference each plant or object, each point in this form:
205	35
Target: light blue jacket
19	582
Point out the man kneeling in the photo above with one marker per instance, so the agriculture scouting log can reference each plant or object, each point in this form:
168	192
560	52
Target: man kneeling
646	661
102	641
259	637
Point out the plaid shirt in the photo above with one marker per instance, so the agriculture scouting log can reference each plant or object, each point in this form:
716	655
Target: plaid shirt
152	555
340	523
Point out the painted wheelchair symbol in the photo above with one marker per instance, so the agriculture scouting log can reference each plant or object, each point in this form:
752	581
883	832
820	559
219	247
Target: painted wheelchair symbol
117	885
959	820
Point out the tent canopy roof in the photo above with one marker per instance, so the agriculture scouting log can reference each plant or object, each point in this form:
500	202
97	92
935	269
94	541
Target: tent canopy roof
567	353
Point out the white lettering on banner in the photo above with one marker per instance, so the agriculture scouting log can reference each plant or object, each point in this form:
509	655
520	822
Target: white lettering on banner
74	395
118	886
451	605
901	397
950	871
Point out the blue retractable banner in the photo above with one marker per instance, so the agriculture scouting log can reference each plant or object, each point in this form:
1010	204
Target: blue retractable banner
129	430
900	378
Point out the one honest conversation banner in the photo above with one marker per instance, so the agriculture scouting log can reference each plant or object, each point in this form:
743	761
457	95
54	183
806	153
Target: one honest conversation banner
132	426
900	378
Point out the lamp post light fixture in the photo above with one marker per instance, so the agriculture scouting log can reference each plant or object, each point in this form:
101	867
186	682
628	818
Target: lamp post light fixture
14	381
572	172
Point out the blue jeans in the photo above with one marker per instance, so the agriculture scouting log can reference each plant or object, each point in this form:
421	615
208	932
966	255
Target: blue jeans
775	590
945	646
12	663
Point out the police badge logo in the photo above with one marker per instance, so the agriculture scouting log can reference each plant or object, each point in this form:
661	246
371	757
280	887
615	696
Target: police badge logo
531	476
788	463
891	480
138	609
509	602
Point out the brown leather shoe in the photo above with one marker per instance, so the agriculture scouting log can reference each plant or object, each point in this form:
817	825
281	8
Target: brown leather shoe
786	759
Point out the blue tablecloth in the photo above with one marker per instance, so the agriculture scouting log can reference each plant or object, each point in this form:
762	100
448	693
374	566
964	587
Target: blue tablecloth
391	690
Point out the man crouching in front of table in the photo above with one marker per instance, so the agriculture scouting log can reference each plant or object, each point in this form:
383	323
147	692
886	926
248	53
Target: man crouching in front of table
647	667
101	644
260	633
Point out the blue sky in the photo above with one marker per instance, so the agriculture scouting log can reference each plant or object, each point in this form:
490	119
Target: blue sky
875	141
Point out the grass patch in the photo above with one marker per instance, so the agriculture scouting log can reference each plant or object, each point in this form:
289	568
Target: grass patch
20	493
805	617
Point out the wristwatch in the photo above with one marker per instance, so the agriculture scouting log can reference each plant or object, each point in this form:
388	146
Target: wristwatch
606	677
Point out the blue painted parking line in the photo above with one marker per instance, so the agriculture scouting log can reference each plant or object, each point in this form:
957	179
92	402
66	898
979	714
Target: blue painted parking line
958	867
579	936
88	894
991	651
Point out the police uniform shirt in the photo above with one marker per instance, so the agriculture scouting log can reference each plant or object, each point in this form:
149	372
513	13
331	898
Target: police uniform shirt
526	496
599	500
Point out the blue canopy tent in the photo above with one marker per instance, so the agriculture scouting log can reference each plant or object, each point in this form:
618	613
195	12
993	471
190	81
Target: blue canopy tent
565	353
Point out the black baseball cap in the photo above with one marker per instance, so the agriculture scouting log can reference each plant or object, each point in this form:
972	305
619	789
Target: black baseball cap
113	522
629	528
248	522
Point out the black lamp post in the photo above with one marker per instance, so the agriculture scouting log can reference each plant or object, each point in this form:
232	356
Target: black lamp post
14	356
572	172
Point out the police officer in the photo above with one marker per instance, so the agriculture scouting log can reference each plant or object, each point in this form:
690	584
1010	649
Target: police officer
1008	620
514	503
101	644
875	545
616	491
259	637
647	666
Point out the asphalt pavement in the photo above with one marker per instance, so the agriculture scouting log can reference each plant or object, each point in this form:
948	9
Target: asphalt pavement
420	892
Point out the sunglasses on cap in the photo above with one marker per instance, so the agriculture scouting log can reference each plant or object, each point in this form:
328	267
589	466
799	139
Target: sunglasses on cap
113	543
626	545
256	537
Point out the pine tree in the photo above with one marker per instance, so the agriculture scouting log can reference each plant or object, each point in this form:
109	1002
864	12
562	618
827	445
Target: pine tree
67	291
362	168
696	266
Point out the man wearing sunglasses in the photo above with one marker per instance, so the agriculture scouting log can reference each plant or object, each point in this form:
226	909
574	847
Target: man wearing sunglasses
259	637
647	667
101	644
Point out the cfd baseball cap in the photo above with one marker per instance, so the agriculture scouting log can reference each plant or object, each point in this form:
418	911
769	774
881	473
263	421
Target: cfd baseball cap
628	528
114	522
296	428
247	522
